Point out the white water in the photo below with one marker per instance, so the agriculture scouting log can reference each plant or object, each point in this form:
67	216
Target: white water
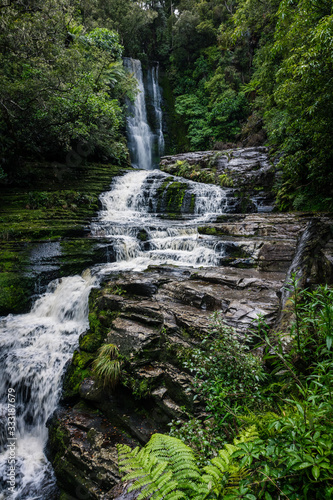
140	136
145	145
131	205
35	347
157	101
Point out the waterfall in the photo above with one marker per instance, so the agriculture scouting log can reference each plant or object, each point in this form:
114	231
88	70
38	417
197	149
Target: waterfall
131	206
156	99
35	347
145	145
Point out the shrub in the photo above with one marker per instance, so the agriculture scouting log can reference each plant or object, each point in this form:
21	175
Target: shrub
106	367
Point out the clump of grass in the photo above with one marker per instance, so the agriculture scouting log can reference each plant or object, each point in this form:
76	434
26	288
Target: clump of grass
106	367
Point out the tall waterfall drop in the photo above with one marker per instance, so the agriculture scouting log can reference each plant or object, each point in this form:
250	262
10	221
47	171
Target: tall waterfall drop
154	89
145	145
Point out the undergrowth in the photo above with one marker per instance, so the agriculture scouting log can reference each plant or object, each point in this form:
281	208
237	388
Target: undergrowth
269	420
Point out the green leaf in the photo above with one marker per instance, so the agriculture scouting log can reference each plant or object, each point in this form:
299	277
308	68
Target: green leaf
315	471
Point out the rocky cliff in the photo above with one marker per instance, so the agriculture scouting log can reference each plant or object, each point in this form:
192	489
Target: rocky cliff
156	318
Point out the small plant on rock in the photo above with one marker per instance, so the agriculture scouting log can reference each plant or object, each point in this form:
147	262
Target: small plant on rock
106	366
225	180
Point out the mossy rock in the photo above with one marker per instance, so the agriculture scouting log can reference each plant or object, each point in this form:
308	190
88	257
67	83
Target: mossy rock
93	338
72	381
142	235
48	202
210	231
15	293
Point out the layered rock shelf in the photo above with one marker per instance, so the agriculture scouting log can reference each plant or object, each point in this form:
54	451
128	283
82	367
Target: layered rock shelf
156	318
247	172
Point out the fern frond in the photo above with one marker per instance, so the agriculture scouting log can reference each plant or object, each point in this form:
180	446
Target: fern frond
203	491
247	435
180	458
262	422
236	476
163	488
163	470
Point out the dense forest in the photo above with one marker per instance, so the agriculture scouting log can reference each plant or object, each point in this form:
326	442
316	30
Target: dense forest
234	73
239	72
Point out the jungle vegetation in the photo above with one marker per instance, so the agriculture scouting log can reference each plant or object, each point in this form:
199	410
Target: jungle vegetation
265	432
239	71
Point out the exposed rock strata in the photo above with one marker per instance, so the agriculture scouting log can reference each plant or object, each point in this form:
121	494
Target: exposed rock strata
248	172
156	318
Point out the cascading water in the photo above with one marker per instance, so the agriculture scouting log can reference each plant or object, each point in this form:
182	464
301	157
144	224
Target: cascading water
132	206
156	98
35	347
144	144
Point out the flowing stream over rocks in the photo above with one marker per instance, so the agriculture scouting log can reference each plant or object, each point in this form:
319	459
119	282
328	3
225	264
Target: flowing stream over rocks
134	220
179	250
35	347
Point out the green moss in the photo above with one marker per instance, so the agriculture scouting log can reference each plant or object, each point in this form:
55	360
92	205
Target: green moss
93	339
140	388
160	192
82	359
73	379
77	255
212	231
15	293
192	204
174	196
59	439
142	235
61	204
99	323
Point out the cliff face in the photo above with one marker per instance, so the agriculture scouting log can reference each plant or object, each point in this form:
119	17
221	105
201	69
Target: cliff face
157	317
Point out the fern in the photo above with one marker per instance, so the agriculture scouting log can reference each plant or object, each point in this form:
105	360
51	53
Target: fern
166	469
247	435
180	458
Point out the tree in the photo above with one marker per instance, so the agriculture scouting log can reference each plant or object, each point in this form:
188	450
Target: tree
59	84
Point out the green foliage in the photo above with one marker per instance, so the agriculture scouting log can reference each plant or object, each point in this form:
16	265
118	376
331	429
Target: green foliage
226	180
192	172
294	94
272	58
210	123
116	290
106	40
167	468
235	374
65	199
149	465
106	367
60	85
287	450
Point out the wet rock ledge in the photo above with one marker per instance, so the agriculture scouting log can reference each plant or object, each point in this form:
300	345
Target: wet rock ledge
247	173
156	318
